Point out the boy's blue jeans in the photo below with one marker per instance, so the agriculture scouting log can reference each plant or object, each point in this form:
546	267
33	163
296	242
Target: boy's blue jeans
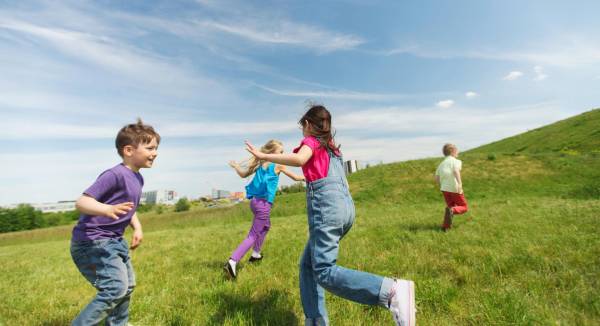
330	216
107	266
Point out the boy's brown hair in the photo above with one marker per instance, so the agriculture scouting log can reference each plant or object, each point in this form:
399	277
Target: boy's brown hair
135	134
448	149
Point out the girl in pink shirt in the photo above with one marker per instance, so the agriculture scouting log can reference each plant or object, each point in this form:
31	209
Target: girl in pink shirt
330	216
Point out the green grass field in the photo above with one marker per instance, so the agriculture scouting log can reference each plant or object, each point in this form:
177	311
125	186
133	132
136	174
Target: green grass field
527	253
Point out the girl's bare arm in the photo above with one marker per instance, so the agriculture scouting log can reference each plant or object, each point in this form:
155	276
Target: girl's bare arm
240	171
290	174
292	159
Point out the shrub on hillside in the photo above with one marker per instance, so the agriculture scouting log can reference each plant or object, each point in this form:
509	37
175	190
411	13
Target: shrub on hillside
296	187
182	205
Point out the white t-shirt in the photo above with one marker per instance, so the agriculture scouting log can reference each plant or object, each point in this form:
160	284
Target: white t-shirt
445	171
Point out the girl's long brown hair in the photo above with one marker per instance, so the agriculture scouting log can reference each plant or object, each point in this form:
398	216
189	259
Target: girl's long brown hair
320	126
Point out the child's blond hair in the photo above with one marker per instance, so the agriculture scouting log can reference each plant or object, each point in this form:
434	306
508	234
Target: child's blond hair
448	149
272	146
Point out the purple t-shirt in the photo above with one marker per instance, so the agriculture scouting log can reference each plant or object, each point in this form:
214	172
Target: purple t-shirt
114	186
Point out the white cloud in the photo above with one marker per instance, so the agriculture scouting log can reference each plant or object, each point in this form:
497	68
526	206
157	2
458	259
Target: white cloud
562	51
539	73
408	130
445	104
289	33
43	129
513	75
334	94
143	67
471	94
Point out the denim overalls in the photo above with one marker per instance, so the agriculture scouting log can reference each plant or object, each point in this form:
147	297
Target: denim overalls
331	214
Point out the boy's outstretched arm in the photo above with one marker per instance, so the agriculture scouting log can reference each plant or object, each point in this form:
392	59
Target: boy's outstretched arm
437	179
290	174
90	206
458	181
241	172
138	235
292	159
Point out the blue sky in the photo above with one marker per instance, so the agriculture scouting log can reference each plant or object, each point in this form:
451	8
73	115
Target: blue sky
400	78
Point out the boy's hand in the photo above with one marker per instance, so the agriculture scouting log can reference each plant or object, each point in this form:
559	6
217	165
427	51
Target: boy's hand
136	239
234	164
113	211
460	190
250	148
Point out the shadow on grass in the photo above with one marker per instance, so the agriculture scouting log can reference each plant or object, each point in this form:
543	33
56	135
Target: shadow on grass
272	308
424	227
59	321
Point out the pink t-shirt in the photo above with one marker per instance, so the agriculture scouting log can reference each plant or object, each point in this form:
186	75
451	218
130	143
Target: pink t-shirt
317	166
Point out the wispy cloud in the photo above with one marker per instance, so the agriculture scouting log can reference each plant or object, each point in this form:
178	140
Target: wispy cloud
41	129
289	33
109	53
334	94
445	104
562	52
513	75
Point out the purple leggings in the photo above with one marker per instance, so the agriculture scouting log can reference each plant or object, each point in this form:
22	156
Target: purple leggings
260	226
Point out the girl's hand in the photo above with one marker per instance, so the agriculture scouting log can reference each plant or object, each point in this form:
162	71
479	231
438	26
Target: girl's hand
234	164
250	148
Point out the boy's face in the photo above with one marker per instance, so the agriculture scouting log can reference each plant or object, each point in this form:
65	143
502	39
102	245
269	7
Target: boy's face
455	152
143	155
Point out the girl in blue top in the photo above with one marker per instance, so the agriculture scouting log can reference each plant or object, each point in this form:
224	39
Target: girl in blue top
261	192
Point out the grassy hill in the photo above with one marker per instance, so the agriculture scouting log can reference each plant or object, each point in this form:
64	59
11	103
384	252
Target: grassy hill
527	253
577	134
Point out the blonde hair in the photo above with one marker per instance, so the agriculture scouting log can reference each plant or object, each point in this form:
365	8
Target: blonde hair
448	149
272	146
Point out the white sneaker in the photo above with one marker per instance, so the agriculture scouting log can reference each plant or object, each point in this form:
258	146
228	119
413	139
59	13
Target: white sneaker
402	304
230	268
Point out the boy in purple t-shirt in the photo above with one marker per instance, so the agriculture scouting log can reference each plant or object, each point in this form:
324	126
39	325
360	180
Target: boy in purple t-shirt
107	207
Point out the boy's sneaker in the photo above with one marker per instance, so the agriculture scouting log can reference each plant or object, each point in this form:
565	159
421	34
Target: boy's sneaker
230	269
255	259
402	304
448	215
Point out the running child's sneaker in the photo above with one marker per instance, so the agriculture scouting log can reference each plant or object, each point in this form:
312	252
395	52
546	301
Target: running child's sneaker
448	215
230	269
402	303
255	259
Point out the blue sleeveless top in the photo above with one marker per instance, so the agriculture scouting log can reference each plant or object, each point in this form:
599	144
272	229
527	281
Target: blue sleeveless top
264	184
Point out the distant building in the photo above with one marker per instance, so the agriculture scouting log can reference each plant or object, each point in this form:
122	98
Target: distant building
238	195
168	197
220	194
56	207
351	166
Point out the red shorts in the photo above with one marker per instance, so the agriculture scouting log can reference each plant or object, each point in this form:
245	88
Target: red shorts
456	202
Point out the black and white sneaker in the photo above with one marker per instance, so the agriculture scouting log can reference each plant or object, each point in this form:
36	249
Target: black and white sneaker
230	269
255	259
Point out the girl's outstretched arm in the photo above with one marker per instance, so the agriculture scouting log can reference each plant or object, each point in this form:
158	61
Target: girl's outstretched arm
290	174
241	172
292	159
